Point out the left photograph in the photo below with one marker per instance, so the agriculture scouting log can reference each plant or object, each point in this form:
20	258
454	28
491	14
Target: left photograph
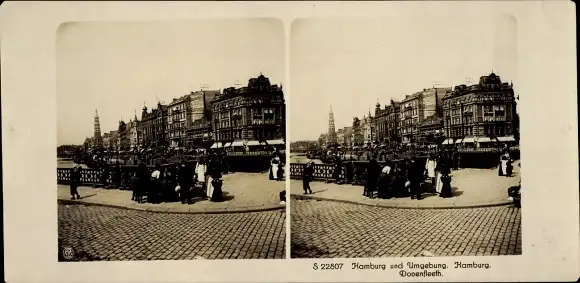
171	140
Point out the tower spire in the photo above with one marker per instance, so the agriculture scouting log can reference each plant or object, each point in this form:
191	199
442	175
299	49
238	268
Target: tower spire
97	134
331	136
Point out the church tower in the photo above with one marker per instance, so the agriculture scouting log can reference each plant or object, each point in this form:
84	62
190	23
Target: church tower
331	136
98	140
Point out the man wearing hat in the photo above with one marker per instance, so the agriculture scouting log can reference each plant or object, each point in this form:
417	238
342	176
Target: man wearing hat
75	179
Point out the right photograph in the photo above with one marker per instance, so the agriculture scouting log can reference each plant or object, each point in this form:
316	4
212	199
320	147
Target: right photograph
404	137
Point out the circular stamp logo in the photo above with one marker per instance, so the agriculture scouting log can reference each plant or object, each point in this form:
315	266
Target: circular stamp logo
68	253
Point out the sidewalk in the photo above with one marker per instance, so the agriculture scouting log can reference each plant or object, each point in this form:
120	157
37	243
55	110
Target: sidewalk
472	188
244	192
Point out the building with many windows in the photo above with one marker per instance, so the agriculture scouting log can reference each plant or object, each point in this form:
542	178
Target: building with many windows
134	134
249	115
480	113
414	110
154	126
178	112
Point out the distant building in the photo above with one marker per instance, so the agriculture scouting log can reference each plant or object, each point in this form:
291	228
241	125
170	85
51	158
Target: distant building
358	132
154	126
481	112
106	140
123	136
415	108
303	146
178	112
322	140
249	115
340	137
348	137
134	134
386	122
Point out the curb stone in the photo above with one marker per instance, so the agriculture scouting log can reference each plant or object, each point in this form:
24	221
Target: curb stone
179	211
406	206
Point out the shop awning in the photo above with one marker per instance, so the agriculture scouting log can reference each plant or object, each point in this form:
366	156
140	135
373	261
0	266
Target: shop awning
237	144
216	145
228	144
506	139
466	140
253	143
483	139
448	141
275	142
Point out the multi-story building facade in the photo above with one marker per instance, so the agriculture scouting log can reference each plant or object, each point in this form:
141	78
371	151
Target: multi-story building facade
415	108
201	104
303	146
322	139
178	112
249	115
114	142
357	131
154	126
199	120
348	137
366	126
481	112
134	134
431	127
106	140
123	136
340	137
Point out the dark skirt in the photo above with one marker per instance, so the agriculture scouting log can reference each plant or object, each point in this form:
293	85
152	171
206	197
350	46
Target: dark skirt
217	195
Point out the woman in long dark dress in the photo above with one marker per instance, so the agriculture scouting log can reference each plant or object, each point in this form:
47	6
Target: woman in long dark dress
217	183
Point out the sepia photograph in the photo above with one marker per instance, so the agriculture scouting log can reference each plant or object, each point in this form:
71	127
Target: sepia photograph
171	140
405	142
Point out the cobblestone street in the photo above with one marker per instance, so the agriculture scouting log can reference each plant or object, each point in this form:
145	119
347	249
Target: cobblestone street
102	233
323	229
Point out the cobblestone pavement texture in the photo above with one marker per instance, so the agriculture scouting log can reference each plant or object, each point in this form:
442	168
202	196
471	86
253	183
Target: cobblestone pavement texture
102	233
323	229
241	190
471	187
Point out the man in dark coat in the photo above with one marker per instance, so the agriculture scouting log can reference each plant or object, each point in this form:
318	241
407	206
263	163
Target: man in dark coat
416	177
75	179
307	176
185	180
372	178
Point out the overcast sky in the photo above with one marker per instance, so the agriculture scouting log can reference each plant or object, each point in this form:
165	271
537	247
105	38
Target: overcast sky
352	62
117	67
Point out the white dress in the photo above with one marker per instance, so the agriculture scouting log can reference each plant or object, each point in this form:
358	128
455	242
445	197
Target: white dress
209	187
430	166
200	172
274	170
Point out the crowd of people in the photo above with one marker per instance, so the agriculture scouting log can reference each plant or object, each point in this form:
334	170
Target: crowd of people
407	177
167	183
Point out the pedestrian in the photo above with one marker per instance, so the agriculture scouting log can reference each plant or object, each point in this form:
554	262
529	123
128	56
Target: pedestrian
280	173
134	186
307	177
185	181
384	185
416	178
372	178
143	182
201	172
273	175
75	180
216	193
155	185
430	171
